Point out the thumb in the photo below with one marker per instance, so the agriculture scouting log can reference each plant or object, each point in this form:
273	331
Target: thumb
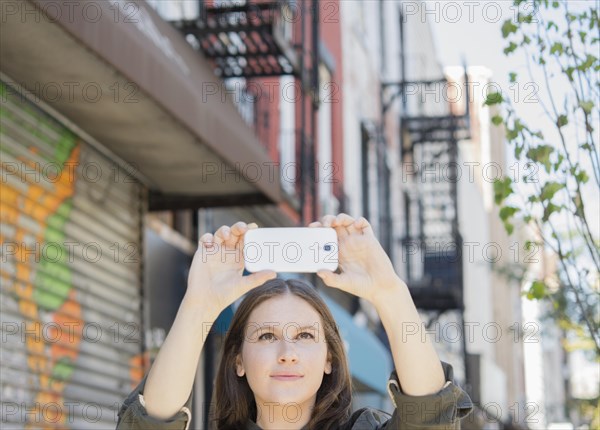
330	278
258	278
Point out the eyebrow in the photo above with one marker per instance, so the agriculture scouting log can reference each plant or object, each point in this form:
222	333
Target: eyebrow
305	327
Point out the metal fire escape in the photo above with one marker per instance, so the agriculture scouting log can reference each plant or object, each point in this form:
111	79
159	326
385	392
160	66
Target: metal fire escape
432	243
256	40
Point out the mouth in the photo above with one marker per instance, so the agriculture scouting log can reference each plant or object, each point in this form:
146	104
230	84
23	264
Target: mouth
286	377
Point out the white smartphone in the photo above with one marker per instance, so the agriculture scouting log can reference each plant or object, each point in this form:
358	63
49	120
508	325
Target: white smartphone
293	249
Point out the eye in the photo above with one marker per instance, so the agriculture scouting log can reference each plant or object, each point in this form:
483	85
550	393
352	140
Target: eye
309	334
262	337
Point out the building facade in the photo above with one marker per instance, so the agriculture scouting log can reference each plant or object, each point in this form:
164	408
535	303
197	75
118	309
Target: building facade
178	117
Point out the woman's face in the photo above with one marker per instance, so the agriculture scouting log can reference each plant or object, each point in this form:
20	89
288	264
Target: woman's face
284	336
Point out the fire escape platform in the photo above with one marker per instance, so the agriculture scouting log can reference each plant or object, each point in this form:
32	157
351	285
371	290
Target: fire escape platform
245	40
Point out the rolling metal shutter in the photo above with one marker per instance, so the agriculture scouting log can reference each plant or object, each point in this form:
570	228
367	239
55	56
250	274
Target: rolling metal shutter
71	232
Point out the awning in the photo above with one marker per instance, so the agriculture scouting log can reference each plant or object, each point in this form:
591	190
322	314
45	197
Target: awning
129	79
370	361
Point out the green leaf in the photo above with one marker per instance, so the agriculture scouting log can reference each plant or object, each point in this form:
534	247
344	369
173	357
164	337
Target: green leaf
578	204
582	177
513	77
512	134
562	121
502	189
508	27
569	71
559	161
497	120
541	154
537	291
557	47
549	189
509	228
587	106
519	126
582	35
493	99
526	40
507	212
589	62
510	48
518	150
549	210
555	4
524	18
586	146
552	24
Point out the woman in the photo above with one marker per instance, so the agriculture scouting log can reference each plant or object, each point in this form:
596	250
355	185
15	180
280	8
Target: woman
283	364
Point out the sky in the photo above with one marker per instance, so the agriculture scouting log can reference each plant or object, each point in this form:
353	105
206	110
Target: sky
472	30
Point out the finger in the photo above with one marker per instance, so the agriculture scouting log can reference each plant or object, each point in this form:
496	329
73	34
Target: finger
222	234
249	227
342	219
331	279
364	225
239	228
346	221
255	279
327	220
206	239
341	231
236	233
315	224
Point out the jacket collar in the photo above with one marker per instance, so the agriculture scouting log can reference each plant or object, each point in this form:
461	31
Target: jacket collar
251	425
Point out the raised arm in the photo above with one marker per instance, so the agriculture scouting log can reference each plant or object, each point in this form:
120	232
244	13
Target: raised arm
367	272
215	281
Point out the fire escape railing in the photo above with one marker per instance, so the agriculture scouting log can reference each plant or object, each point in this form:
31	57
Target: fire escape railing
249	40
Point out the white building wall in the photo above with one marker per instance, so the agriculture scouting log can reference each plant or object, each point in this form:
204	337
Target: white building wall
360	52
534	371
475	232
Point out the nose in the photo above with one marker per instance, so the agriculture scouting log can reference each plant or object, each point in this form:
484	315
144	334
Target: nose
287	352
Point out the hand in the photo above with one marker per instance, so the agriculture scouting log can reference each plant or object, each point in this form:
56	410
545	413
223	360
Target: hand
215	277
366	270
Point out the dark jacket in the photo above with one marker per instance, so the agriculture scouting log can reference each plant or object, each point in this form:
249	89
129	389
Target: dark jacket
440	411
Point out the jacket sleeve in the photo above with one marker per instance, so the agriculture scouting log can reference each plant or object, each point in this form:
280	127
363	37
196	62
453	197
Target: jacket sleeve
133	416
440	411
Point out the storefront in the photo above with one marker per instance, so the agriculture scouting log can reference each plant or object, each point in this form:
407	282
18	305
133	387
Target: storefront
107	114
71	226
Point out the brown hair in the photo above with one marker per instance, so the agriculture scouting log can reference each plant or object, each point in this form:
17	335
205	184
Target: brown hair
234	400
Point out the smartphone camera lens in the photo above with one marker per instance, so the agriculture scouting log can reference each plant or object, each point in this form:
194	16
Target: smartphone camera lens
327	247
